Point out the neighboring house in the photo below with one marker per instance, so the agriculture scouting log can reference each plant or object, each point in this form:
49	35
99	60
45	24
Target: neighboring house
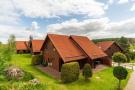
22	47
60	49
36	46
109	47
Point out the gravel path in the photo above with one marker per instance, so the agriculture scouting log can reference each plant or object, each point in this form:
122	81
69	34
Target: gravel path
131	82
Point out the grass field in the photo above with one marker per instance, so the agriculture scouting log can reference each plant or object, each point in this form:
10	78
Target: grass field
102	80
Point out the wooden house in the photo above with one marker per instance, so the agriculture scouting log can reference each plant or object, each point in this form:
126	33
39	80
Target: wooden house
60	49
36	46
109	47
22	47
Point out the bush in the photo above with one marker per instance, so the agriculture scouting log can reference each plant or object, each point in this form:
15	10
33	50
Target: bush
4	87
2	78
36	59
87	71
14	73
22	86
128	57
5	56
119	57
70	72
120	73
132	55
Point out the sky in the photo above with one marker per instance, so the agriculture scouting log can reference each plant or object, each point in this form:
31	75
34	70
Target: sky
91	18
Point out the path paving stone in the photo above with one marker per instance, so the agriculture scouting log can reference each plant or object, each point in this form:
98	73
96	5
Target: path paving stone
131	82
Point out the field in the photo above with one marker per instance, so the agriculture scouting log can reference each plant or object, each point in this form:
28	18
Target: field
103	80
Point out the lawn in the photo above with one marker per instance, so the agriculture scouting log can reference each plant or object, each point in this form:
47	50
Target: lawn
102	80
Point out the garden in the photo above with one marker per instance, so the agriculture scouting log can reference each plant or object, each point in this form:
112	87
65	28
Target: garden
103	80
18	73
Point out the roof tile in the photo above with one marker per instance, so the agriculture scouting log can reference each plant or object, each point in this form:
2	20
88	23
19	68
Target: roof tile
36	45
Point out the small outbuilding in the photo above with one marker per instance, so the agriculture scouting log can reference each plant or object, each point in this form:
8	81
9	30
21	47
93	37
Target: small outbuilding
109	47
22	47
36	46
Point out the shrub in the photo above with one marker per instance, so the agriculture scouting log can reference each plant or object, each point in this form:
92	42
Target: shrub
70	72
4	87
2	78
132	55
34	81
36	59
120	73
128	57
14	73
22	86
5	56
119	58
87	71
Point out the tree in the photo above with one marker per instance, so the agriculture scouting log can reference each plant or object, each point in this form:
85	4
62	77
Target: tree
11	41
119	58
87	71
120	73
124	43
30	41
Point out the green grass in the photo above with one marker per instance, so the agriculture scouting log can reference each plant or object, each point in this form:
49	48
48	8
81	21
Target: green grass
102	80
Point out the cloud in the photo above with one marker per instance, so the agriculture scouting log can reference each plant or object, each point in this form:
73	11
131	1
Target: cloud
95	28
34	26
133	7
110	1
56	8
8	12
20	32
73	26
123	1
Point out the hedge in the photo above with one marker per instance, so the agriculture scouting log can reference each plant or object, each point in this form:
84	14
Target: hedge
70	72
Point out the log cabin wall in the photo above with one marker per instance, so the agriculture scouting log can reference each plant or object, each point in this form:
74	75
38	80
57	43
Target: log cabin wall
113	49
51	55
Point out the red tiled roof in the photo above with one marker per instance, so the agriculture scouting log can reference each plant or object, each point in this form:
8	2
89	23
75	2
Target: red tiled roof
88	47
66	48
21	45
36	45
105	45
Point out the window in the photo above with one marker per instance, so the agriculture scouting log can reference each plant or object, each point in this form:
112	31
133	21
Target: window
49	62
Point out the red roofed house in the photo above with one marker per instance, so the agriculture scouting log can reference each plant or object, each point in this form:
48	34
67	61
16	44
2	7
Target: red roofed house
109	47
36	46
22	47
60	49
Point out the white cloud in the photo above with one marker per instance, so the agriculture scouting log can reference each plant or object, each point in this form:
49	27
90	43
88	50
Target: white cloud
34	26
123	1
75	27
56	8
133	7
20	32
95	28
8	13
110	1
